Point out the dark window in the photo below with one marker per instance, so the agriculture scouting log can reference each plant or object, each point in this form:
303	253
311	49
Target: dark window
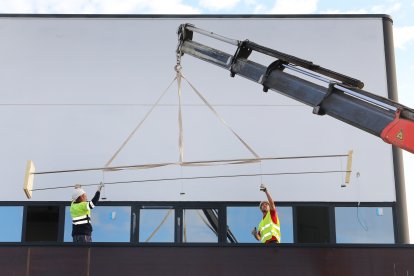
312	224
42	223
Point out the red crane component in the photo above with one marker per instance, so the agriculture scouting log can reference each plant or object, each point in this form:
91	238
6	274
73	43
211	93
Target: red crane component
400	133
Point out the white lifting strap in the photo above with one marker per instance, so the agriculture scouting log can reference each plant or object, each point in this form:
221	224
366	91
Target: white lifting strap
180	119
139	125
220	118
179	76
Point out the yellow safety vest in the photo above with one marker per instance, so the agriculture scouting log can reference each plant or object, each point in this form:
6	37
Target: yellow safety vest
81	212
268	228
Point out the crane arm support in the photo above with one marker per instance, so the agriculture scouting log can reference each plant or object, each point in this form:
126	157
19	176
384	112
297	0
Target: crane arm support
342	99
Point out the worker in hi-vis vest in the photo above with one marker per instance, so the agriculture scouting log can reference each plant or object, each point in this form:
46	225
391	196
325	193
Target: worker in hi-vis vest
80	211
269	227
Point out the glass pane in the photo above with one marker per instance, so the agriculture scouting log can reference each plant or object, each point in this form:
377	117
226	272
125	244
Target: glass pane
110	224
364	225
156	225
198	225
242	220
14	217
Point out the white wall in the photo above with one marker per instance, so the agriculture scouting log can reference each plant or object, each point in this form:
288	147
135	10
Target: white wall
106	73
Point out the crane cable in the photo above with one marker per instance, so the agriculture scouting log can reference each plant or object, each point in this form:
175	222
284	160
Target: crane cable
179	77
181	162
197	177
191	163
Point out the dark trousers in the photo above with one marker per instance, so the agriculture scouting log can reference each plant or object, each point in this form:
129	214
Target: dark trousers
82	238
272	243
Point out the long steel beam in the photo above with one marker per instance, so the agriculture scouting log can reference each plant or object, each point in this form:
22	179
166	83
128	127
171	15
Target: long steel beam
339	104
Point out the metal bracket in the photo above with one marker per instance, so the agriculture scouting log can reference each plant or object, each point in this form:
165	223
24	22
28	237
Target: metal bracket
317	109
183	35
243	51
276	65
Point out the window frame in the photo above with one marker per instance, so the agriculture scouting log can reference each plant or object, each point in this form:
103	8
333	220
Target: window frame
179	206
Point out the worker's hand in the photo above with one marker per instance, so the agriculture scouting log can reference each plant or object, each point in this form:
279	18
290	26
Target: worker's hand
263	188
254	232
101	185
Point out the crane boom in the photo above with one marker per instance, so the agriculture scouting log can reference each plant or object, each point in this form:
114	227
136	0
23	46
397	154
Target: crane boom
342	98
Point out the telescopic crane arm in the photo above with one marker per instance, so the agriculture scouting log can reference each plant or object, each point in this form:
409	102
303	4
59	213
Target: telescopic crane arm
343	98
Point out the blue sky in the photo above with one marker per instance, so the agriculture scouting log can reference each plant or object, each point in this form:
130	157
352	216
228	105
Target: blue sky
401	12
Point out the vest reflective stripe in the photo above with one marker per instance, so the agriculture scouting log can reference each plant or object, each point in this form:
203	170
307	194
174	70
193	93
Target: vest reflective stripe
268	228
271	224
81	222
264	237
81	217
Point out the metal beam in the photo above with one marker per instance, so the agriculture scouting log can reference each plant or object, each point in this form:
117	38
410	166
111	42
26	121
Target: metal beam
339	104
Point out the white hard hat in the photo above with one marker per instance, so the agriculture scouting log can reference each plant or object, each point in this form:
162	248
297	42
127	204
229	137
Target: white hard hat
260	205
77	193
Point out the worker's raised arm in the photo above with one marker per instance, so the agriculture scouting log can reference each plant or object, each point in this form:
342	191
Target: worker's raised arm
95	199
272	205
